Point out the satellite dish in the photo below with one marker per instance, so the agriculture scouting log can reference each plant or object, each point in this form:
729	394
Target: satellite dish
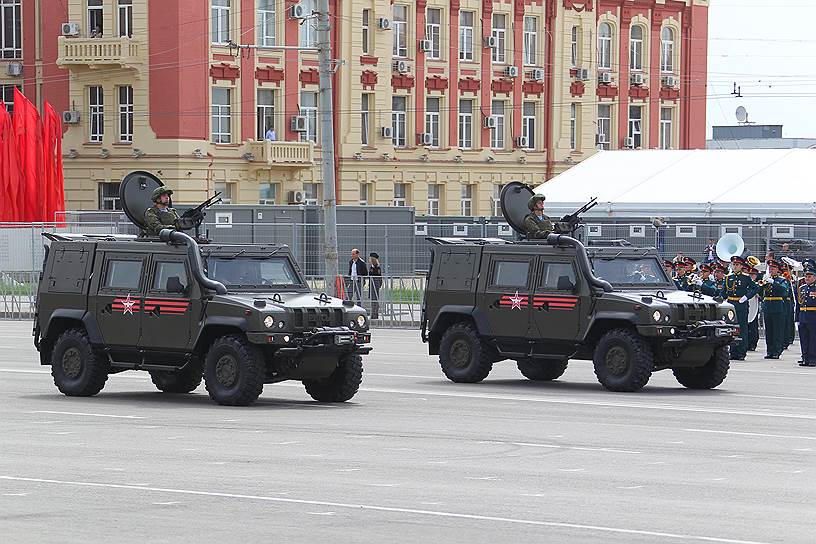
742	115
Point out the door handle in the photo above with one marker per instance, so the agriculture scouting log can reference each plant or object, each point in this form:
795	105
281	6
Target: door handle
107	309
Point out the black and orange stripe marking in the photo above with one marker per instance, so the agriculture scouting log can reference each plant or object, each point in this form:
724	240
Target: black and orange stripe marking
523	301
555	302
166	306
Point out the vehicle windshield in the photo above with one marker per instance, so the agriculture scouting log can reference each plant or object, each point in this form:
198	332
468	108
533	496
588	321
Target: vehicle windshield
634	272
253	272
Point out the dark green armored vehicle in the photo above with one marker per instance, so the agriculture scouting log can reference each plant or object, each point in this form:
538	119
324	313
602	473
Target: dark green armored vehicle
237	316
544	302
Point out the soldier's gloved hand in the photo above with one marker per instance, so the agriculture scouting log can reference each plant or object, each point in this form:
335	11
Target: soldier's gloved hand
743	299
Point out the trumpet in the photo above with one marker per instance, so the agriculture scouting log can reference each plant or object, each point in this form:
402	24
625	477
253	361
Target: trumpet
753	261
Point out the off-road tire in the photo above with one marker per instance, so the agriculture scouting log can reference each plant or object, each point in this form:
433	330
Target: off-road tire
343	383
77	370
542	371
708	376
185	380
463	356
623	361
234	371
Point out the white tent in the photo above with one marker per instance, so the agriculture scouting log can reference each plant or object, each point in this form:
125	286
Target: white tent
756	183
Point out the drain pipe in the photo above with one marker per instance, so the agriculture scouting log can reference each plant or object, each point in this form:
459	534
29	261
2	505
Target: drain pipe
583	259
178	237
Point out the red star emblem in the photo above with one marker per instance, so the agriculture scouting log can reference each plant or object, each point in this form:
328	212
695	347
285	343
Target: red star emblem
128	305
516	300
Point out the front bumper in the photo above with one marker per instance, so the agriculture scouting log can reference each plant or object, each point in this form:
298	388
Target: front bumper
326	340
715	332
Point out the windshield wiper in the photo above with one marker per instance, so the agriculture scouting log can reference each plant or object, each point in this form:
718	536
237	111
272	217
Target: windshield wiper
233	256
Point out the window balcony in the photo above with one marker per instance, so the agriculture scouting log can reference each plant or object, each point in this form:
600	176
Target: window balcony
99	52
268	153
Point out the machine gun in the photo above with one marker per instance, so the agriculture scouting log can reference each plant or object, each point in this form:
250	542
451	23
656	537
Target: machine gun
574	218
192	218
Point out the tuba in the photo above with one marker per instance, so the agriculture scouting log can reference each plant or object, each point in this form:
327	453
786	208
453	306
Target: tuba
729	245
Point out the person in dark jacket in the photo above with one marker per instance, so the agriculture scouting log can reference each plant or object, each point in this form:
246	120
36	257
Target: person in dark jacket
357	270
375	282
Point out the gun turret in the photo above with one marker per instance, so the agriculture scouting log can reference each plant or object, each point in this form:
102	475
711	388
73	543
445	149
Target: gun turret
575	217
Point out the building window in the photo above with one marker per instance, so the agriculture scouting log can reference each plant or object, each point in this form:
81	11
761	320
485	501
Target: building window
400	199
467	200
96	113
605	46
433	199
226	191
500	36
265	21
109	196
636	48
432	120
365	117
364	194
265	120
221	116
497	134
497	190
530	40
366	34
126	113
573	126
466	35
665	128
433	32
667	50
95	19
220	21
604	126
11	29
528	123
465	124
400	25
7	96
308	27
268	193
311	193
574	56
125	18
308	109
635	128
399	108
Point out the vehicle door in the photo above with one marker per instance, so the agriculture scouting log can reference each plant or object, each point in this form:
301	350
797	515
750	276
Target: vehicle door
506	296
167	308
119	298
556	304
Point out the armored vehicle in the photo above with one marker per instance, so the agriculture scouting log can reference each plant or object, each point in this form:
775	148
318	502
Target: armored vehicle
544	302
238	316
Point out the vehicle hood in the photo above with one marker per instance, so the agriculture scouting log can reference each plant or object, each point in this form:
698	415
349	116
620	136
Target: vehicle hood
283	301
673	296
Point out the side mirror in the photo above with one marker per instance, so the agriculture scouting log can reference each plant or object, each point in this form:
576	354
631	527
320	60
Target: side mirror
174	285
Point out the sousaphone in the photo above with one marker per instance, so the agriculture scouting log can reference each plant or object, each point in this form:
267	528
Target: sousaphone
729	245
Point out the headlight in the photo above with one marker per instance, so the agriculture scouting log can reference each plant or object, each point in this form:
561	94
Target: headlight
730	315
269	322
656	315
361	321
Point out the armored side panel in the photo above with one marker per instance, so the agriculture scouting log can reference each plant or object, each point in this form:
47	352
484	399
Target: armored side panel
65	281
135	194
514	198
456	268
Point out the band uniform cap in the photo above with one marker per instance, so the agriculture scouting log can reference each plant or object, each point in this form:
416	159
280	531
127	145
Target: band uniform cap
810	270
667	263
705	268
688	261
721	268
736	259
772	262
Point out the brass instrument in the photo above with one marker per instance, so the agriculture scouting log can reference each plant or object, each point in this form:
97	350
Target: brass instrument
753	261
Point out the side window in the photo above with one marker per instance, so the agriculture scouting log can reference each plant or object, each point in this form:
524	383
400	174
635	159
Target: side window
123	274
510	273
558	277
168	270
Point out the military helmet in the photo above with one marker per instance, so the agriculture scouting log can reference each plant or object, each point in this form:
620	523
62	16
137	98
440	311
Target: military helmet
534	199
158	191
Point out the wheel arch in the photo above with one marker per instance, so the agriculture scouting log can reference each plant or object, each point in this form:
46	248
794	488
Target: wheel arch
215	327
604	322
60	321
449	315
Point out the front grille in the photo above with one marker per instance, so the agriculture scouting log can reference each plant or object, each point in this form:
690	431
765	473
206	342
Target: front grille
690	313
310	318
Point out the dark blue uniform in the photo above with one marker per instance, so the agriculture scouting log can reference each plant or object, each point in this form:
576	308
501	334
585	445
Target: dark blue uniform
806	315
735	287
775	293
790	309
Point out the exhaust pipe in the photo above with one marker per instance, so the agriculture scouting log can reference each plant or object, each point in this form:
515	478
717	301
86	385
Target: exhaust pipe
583	259
178	237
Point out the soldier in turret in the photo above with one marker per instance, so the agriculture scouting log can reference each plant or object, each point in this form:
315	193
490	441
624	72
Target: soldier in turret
160	215
538	225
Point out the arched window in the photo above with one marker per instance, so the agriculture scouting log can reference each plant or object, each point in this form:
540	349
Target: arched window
636	48
605	46
667	50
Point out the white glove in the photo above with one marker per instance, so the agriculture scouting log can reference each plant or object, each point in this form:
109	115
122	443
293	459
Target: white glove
743	299
698	282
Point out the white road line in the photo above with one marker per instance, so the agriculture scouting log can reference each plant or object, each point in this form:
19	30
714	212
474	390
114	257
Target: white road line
393	510
85	414
764	435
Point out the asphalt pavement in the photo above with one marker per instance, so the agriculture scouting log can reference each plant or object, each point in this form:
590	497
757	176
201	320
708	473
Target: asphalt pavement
412	458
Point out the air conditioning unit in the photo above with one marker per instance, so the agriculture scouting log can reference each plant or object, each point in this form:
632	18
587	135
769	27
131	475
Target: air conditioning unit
601	139
511	71
670	81
490	122
636	79
490	41
70	117
537	74
521	142
426	138
605	78
426	46
629	143
387	132
583	74
401	66
300	123
14	69
295	197
299	11
70	29
384	23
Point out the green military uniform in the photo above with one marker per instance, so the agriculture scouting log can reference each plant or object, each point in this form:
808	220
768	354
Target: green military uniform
790	307
536	226
775	292
157	218
738	286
